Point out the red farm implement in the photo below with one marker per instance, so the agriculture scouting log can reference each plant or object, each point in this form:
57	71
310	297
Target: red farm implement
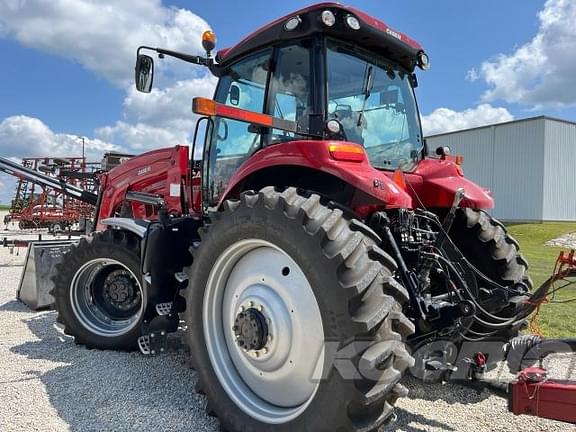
53	193
533	392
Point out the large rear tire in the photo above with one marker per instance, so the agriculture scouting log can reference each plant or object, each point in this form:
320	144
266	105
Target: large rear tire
98	291
294	319
485	242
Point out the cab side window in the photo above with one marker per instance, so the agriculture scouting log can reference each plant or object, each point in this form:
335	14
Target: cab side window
244	86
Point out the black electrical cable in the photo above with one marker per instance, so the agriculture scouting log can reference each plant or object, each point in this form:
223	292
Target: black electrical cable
471	296
506	322
447	236
469	339
502	322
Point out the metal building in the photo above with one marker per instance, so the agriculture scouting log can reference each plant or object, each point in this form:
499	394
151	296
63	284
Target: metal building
529	165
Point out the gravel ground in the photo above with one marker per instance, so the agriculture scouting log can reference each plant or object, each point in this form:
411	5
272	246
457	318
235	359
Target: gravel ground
47	383
565	241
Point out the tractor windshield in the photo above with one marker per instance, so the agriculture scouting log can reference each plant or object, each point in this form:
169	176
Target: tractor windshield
375	104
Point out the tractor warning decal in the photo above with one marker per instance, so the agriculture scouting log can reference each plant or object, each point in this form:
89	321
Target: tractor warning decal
174	189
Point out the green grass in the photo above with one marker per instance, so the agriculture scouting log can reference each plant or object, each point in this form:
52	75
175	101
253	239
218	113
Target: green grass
556	320
4	207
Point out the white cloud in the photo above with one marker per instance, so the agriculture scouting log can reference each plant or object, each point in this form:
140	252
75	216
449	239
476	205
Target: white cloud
139	137
159	119
541	72
102	35
446	120
472	75
22	136
163	105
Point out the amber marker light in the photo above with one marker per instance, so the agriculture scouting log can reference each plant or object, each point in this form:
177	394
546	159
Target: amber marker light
346	152
204	106
208	40
399	179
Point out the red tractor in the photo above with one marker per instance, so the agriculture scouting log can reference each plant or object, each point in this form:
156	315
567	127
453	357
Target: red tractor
313	247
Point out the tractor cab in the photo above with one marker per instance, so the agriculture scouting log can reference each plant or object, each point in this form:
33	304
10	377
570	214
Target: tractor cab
322	64
326	73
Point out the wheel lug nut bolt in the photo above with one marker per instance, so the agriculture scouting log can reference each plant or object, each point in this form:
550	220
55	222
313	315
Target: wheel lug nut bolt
265	350
256	354
260	308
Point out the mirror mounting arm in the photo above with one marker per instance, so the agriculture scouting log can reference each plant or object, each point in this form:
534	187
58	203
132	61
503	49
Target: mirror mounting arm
203	61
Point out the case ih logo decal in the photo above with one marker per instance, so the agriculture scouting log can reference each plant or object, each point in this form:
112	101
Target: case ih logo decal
145	170
394	34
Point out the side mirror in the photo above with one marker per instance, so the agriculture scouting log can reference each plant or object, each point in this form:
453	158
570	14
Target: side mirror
144	73
234	95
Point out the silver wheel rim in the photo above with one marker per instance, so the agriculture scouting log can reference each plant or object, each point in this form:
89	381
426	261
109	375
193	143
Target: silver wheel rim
276	383
92	315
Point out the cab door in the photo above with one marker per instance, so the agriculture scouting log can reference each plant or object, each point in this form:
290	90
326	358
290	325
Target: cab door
276	82
232	141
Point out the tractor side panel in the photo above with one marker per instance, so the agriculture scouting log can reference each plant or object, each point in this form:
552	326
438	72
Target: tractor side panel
164	172
371	183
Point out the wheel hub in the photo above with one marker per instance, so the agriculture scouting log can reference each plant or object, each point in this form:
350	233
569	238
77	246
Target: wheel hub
251	330
107	297
119	290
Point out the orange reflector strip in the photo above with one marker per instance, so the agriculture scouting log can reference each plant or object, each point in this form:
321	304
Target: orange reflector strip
244	115
399	179
208	107
204	106
347	152
459	160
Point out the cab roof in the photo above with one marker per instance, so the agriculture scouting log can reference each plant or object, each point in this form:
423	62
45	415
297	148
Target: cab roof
373	34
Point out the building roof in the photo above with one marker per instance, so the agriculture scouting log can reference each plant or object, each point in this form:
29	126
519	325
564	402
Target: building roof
542	117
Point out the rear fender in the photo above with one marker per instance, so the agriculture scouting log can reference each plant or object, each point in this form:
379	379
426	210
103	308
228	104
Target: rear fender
134	226
372	188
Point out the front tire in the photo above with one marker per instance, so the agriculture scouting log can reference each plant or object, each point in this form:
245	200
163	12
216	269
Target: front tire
98	291
282	289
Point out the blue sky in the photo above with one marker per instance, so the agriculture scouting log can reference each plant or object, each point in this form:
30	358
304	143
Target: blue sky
67	64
